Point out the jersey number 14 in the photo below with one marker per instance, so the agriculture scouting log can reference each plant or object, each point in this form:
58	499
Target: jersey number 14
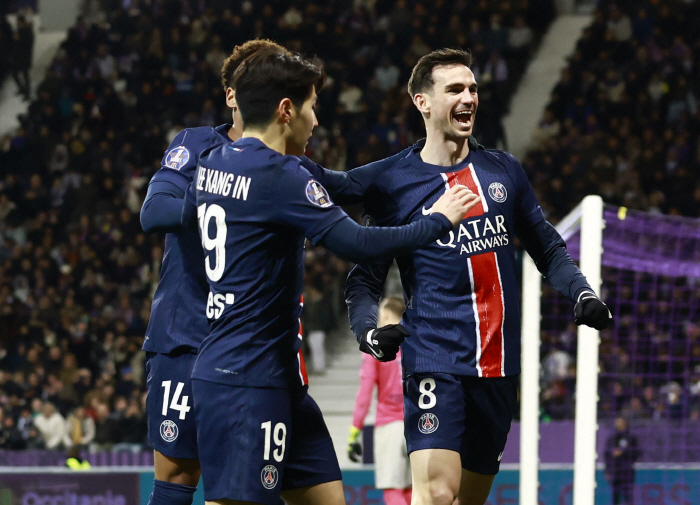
175	404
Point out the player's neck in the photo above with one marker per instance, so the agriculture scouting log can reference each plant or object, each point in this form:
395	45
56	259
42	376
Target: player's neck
272	137
234	133
444	152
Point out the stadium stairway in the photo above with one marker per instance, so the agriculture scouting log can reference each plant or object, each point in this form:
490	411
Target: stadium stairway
542	74
46	42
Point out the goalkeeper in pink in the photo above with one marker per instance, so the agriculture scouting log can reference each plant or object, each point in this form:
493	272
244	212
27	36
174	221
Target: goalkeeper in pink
392	471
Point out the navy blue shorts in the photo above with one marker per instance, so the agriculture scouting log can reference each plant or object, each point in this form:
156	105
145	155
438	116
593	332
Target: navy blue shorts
469	415
171	423
255	443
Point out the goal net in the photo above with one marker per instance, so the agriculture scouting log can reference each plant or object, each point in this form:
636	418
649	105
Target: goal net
646	368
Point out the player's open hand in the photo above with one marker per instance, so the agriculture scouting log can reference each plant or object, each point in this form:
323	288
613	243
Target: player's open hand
455	203
591	311
383	343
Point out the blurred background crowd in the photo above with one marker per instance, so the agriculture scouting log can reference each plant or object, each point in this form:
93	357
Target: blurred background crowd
77	273
624	122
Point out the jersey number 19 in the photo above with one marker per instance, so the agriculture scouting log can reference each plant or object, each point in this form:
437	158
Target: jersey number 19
216	243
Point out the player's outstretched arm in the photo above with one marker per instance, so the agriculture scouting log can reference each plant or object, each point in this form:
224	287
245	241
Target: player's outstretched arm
361	244
162	208
546	247
548	250
350	187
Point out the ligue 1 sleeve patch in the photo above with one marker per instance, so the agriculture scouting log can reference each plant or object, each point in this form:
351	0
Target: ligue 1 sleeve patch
317	194
177	158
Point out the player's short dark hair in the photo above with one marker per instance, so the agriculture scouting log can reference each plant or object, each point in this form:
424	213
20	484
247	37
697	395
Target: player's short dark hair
240	53
393	304
267	76
422	75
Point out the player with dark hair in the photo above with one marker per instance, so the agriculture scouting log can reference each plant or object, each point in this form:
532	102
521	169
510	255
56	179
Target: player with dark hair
462	360
178	323
260	434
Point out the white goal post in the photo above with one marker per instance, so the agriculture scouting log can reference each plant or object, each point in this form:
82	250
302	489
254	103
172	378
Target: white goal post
588	217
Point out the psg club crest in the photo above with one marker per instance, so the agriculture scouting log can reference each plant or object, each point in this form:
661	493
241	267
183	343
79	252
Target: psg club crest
317	194
428	423
168	430
269	477
177	158
497	192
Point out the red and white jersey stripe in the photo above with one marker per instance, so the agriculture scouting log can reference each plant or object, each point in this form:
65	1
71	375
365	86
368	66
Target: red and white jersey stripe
487	289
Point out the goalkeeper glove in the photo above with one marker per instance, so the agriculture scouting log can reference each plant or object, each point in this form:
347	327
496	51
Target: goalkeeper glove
354	445
591	311
383	343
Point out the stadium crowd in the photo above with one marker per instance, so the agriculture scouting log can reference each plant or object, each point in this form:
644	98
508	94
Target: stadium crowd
624	123
624	119
77	273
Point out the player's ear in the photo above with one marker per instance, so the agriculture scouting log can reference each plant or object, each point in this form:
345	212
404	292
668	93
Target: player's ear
422	102
285	110
231	97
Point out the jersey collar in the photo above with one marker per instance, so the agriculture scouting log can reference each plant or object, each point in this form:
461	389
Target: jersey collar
415	159
223	130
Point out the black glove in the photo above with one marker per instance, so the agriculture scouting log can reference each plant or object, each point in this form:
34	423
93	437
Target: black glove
591	311
383	343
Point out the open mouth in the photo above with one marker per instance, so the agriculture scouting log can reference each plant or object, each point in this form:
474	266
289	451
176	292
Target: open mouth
464	118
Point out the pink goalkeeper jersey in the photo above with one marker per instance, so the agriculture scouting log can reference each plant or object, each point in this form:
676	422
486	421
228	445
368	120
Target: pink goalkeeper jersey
387	378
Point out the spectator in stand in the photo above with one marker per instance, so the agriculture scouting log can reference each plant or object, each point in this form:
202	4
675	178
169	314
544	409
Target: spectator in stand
392	470
621	452
6	47
52	427
10	437
317	321
626	73
81	428
105	428
22	49
387	74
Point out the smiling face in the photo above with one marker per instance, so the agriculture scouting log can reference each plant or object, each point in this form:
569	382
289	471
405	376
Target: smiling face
449	107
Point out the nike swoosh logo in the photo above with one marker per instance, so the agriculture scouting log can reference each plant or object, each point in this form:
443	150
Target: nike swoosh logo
371	349
374	353
426	212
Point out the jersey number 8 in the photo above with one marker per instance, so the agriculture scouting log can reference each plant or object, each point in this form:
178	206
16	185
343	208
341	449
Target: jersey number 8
217	243
427	399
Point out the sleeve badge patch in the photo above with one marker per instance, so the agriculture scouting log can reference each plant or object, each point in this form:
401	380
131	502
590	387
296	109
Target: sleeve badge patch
177	158
317	194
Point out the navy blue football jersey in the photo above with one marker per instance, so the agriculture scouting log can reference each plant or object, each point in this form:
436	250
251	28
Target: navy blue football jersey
180	299
462	292
254	208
